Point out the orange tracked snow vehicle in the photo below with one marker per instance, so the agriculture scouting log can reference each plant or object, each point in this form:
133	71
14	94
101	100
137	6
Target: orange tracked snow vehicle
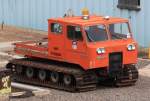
79	52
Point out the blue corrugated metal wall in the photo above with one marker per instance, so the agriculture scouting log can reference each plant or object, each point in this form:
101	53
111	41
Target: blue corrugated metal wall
34	13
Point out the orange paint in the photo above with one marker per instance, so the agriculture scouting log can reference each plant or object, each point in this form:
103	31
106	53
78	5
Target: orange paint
84	53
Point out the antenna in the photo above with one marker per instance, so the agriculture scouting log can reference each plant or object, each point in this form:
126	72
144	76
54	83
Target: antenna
69	13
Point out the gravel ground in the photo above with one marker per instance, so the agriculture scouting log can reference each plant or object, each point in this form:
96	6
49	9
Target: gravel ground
142	63
139	92
17	34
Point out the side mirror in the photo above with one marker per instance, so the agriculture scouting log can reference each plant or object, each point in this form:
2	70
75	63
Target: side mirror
128	35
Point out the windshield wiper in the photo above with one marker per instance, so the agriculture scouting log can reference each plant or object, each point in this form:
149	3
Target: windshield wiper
117	36
89	37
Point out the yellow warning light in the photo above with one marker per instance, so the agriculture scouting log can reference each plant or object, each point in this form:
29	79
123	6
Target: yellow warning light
85	11
85	14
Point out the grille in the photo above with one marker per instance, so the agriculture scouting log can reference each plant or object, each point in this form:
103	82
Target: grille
115	62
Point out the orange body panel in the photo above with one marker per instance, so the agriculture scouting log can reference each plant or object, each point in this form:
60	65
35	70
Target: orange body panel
59	47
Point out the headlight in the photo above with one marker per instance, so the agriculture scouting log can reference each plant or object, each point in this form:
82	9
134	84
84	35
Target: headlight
100	50
131	47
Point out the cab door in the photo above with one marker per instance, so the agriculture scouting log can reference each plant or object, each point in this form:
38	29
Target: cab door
75	44
56	40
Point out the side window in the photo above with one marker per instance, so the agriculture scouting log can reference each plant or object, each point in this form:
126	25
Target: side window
119	31
74	33
56	28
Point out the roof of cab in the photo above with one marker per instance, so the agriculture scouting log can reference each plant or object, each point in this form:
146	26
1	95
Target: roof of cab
92	20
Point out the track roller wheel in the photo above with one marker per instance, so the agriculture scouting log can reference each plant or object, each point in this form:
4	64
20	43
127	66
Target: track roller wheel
67	80
54	77
29	72
42	75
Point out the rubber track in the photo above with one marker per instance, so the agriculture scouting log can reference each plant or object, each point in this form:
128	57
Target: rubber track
122	79
84	80
127	77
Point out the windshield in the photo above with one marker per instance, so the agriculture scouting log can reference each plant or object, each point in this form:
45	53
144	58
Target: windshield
96	33
119	31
